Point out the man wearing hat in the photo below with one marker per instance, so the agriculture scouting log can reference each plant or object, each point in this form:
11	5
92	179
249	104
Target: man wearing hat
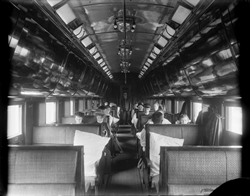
79	117
135	118
157	118
113	145
147	108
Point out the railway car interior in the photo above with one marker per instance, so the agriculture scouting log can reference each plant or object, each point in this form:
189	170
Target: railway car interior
130	70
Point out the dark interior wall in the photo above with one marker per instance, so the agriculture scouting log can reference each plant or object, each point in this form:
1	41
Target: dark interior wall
67	108
28	122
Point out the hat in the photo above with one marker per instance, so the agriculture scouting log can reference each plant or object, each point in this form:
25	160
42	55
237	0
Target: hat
102	107
79	114
157	117
100	112
140	104
146	105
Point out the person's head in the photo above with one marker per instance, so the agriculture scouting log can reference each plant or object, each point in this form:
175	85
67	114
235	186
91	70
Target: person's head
184	119
100	115
78	117
107	110
125	95
140	107
147	108
156	106
135	105
157	117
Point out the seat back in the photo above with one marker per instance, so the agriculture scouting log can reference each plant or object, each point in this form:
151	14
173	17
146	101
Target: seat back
61	134
68	120
89	119
190	133
192	170
46	170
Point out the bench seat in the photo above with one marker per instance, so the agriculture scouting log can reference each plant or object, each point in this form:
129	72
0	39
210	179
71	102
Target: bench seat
193	170
46	170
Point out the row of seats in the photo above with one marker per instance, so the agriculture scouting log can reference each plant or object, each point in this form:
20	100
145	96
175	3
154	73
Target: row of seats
50	143
46	170
197	170
189	160
62	134
88	119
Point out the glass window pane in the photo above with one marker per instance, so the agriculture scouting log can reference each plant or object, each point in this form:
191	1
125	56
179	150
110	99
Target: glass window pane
66	13
197	107
50	112
234	119
14	122
72	108
178	106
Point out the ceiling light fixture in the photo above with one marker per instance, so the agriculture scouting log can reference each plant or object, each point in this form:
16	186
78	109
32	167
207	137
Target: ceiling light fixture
125	64
129	22
125	50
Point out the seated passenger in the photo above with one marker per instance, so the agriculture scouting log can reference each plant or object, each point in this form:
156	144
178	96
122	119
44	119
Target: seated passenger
134	110
113	145
157	140
147	108
105	127
184	119
111	120
157	118
135	118
106	111
157	107
79	117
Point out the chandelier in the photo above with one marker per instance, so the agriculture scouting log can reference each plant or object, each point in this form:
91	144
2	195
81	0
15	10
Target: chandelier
125	64
125	50
125	71
129	22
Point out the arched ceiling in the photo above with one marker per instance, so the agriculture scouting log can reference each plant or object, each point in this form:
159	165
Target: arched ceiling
175	47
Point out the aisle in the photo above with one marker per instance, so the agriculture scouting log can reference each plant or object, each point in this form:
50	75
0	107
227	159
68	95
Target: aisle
125	178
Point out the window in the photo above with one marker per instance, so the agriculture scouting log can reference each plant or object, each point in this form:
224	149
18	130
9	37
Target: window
234	119
50	112
178	106
197	107
14	122
168	106
72	107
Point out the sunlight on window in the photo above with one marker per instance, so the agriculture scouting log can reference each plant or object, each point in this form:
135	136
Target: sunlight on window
50	112
197	107
14	123
72	108
234	119
178	106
